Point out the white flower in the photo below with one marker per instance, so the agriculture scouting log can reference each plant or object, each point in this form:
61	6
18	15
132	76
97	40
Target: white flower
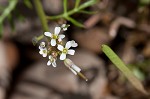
64	27
42	45
65	50
43	49
54	36
75	69
43	52
52	61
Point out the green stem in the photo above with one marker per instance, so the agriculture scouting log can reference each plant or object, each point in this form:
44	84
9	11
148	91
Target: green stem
77	3
73	11
65	6
41	14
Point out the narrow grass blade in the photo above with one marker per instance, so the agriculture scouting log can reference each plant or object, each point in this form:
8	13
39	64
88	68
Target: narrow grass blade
123	68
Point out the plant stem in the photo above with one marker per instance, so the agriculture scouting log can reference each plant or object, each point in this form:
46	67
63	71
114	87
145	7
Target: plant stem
71	12
41	14
65	6
77	3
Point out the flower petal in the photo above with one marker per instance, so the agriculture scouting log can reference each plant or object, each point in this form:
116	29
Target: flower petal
63	56
64	29
60	47
73	43
50	57
54	64
44	54
57	30
49	63
48	34
61	36
68	45
63	25
40	48
71	52
53	42
41	51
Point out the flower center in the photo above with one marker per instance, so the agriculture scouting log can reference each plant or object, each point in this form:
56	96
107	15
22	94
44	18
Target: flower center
44	51
55	36
65	50
52	60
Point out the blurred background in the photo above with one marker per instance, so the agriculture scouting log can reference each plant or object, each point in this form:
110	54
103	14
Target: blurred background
123	25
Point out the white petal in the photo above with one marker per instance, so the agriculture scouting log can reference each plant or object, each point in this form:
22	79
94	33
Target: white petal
49	63
42	43
71	52
63	25
53	42
61	36
60	47
73	43
50	57
48	34
44	54
64	29
76	68
68	45
40	47
54	64
57	30
41	51
73	71
63	56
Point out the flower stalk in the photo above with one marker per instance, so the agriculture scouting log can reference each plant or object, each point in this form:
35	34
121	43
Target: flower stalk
77	9
41	14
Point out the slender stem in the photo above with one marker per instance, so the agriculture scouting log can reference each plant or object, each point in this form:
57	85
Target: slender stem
41	14
54	17
39	37
83	6
65	6
77	3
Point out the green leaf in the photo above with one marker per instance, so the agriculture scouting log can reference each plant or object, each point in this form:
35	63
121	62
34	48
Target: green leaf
74	22
7	10
28	3
123	68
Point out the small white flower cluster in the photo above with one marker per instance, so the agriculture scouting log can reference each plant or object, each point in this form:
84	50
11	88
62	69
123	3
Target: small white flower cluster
54	49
